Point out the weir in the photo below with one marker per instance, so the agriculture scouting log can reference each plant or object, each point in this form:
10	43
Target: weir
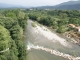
57	53
39	43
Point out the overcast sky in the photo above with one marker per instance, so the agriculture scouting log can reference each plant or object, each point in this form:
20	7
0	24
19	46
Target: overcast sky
33	2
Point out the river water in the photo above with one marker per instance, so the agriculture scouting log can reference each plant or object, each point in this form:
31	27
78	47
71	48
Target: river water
38	39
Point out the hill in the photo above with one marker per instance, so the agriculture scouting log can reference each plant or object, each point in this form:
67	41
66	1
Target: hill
70	5
3	5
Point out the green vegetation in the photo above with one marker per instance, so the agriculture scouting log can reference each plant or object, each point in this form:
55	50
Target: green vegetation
12	25
14	22
33	24
57	19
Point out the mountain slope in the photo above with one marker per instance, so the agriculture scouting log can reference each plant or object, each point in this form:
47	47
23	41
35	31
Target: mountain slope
3	5
71	5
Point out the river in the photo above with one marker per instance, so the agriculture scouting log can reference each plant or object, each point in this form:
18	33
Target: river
37	39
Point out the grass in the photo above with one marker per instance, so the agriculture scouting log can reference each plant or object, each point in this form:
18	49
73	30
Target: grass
33	24
74	54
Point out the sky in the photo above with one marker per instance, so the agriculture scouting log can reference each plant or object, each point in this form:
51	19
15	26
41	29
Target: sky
34	2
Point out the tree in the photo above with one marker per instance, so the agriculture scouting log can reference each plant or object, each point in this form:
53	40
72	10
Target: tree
61	29
5	42
10	32
4	38
10	14
21	50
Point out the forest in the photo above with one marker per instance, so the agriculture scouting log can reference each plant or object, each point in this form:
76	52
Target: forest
12	25
56	19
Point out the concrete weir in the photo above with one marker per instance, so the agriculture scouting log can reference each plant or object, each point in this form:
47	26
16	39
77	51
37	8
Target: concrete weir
57	53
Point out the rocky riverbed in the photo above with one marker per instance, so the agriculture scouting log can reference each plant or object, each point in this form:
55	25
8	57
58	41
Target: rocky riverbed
41	39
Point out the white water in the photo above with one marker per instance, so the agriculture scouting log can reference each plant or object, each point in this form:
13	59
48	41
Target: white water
30	45
40	40
51	36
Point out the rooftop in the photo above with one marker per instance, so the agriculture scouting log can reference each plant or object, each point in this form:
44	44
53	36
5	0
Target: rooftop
72	25
78	27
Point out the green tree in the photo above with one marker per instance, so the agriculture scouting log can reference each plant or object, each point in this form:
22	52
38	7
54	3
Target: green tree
11	14
61	29
21	50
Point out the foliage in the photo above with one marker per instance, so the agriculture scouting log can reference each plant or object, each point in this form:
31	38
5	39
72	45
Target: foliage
57	19
61	29
12	25
4	38
33	24
21	50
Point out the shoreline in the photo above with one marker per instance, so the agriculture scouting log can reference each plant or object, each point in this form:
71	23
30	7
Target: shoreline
76	41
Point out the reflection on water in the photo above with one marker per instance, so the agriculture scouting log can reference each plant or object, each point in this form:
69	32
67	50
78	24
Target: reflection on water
38	39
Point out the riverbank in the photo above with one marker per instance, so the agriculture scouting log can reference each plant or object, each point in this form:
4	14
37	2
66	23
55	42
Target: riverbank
49	35
72	37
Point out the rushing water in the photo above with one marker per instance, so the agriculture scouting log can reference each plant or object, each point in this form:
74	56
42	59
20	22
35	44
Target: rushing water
38	39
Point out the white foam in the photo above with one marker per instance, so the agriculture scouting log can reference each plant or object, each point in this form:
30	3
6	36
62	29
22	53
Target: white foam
50	35
70	57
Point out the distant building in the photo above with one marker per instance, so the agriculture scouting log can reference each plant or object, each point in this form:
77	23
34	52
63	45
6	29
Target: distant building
78	28
30	9
46	9
75	28
72	25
